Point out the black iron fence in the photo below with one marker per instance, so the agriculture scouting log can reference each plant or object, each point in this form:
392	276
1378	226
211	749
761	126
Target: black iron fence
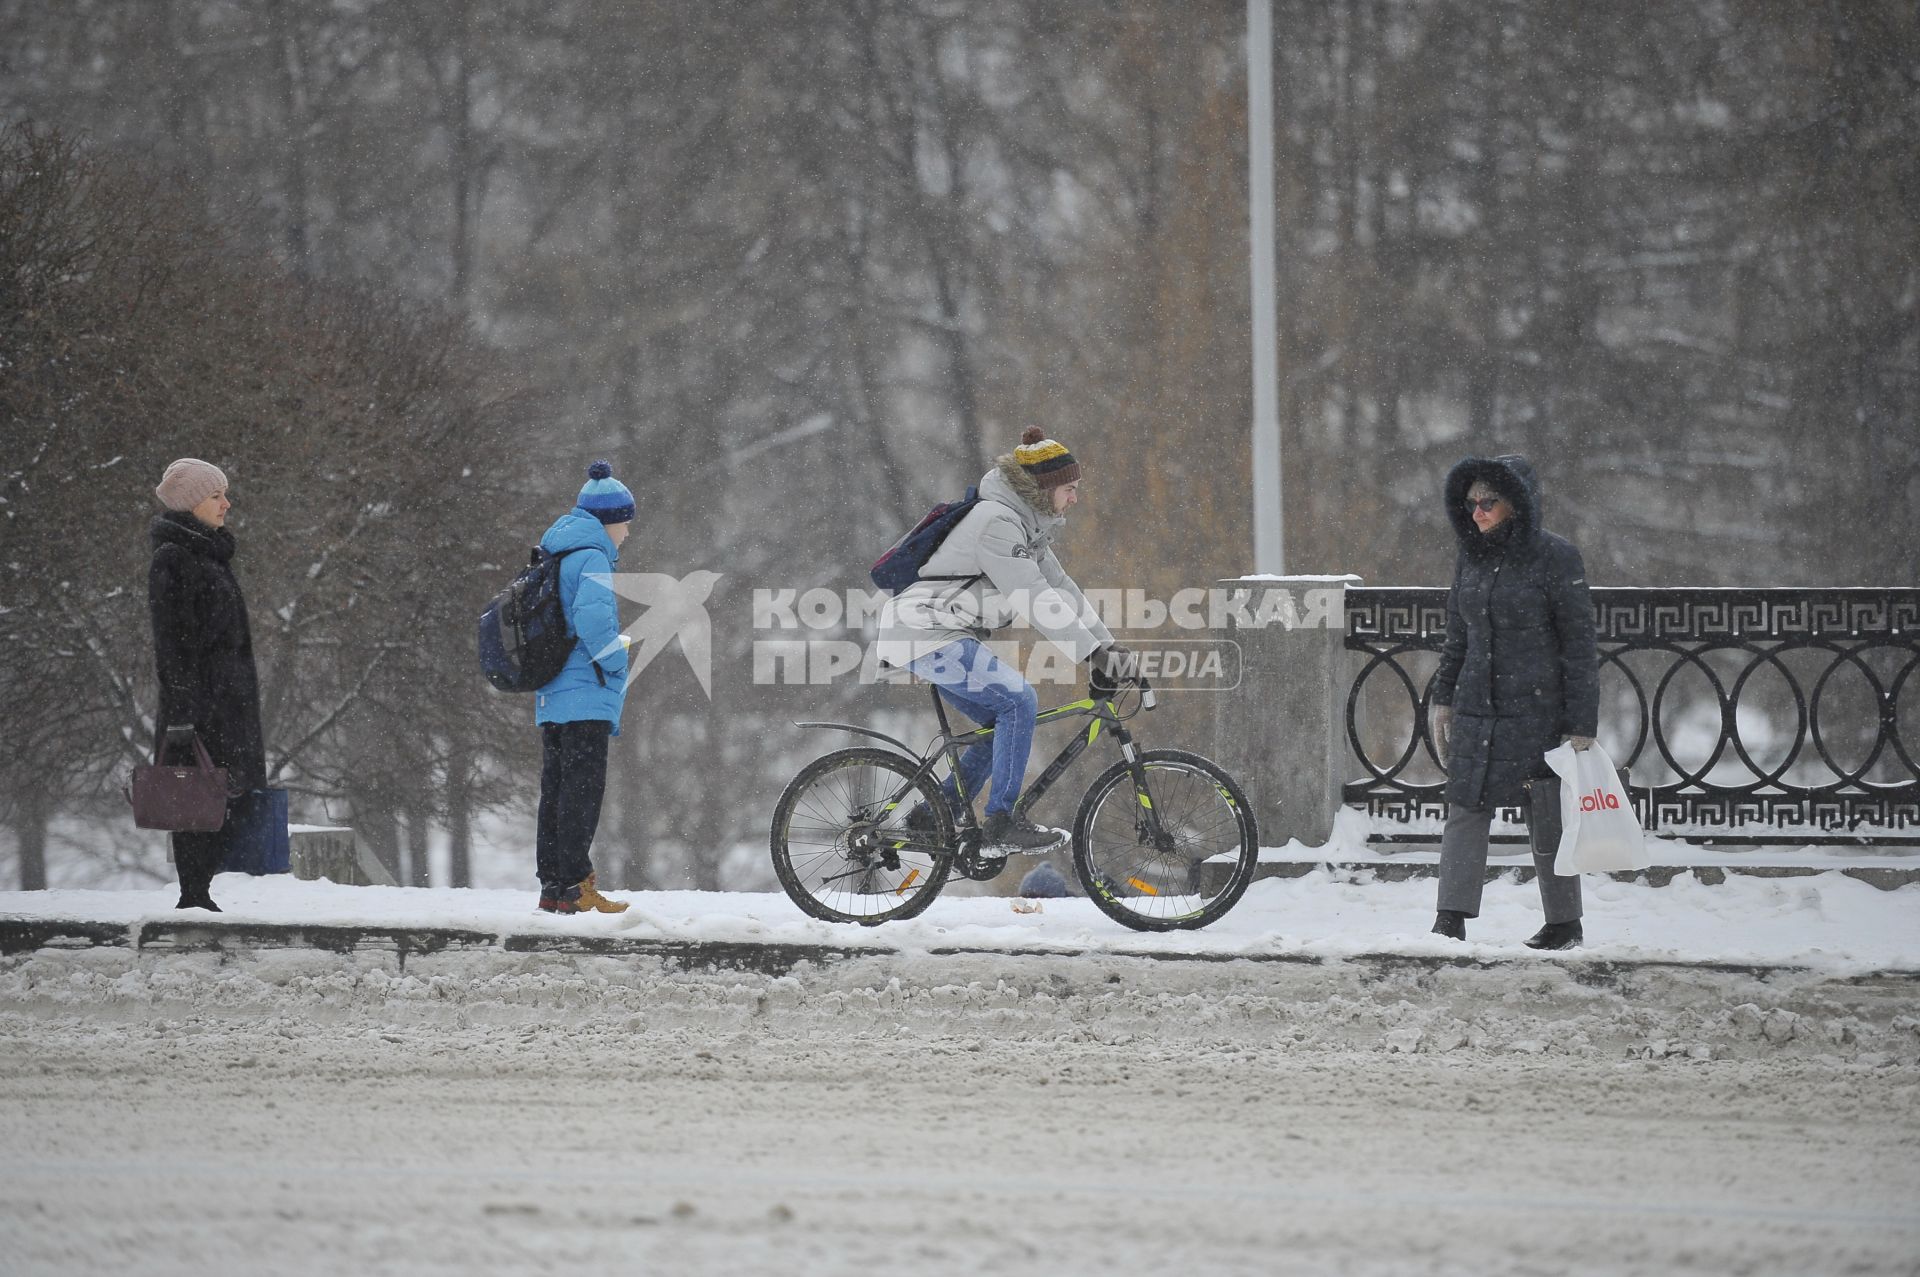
1755	716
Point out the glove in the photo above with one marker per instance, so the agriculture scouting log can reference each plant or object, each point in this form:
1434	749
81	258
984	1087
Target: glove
1580	742
1109	667
1439	727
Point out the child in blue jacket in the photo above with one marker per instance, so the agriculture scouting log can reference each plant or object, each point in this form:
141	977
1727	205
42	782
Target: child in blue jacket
580	708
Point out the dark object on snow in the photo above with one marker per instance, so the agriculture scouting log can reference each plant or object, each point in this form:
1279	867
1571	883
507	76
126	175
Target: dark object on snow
1043	882
1450	923
1557	935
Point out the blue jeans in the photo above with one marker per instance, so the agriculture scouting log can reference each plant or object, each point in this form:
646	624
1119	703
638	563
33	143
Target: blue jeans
991	693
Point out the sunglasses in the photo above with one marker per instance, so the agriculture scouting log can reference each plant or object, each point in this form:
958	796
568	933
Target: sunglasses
1484	504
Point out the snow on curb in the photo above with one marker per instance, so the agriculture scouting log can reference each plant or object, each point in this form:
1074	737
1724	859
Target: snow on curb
1818	967
1684	1014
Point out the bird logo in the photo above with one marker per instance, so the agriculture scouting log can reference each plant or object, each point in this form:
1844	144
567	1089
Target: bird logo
676	609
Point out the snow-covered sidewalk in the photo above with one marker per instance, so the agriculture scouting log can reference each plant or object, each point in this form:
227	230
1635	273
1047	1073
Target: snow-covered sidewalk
1827	921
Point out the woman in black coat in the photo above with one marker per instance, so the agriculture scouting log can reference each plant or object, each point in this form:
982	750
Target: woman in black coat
1518	675
204	652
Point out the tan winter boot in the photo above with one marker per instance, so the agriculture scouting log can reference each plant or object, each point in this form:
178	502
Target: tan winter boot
590	898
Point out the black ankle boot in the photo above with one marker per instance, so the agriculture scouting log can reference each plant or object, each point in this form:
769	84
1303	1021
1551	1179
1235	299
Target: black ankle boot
1557	935
1450	923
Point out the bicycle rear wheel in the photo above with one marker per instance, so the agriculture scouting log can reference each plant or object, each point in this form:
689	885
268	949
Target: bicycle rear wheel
1193	871
840	842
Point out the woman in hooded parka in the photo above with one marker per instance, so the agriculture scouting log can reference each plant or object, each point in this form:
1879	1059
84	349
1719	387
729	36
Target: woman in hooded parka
1519	674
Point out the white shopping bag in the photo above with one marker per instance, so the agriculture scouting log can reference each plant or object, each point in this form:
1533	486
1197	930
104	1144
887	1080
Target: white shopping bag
1598	831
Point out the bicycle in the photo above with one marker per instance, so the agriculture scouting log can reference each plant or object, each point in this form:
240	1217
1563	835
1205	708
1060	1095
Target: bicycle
1163	840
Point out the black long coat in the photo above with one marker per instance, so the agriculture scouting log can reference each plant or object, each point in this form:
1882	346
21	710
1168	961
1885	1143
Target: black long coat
203	646
1519	666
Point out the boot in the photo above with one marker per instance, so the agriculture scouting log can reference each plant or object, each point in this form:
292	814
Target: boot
1450	923
553	904
590	898
1006	833
1557	935
196	865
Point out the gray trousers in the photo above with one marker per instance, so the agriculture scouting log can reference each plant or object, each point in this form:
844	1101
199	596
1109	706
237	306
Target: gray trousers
1463	869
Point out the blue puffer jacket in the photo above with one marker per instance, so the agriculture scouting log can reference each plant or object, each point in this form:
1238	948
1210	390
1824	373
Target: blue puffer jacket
577	693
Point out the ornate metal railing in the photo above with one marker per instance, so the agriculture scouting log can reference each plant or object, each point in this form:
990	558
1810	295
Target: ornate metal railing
1714	764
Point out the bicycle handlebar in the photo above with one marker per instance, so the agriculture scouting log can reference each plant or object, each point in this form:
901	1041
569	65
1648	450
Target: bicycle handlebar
1105	691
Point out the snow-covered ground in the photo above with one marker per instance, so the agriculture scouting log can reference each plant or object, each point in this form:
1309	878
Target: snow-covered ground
1825	920
982	1092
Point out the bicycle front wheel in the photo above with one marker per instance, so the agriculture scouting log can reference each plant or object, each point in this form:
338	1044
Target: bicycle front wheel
1182	871
841	845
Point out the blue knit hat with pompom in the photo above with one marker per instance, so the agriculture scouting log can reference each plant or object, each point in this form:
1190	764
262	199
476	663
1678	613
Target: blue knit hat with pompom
605	497
1043	882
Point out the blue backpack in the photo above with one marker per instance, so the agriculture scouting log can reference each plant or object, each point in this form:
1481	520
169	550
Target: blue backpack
524	639
900	566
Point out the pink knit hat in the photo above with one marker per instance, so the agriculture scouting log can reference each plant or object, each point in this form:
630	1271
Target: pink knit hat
188	482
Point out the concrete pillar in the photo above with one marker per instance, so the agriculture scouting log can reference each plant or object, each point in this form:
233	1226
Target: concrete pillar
1283	731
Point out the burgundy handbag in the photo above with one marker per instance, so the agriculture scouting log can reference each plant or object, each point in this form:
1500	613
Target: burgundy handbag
180	799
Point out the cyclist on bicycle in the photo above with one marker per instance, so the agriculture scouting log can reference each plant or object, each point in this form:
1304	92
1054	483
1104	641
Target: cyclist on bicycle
997	567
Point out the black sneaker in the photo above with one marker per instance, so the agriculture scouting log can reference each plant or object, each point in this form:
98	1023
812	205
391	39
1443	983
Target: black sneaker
1557	935
1450	923
1008	834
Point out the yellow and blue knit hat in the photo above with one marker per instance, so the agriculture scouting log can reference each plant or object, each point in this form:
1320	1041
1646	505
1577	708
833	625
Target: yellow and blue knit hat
1047	460
605	497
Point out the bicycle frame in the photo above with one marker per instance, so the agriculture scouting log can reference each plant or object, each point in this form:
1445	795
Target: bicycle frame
950	745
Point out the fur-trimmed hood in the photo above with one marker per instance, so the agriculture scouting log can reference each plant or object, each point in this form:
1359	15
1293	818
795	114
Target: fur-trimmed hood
1009	484
1023	488
1510	475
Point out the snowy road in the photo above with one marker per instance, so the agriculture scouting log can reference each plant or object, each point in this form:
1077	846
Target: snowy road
301	1112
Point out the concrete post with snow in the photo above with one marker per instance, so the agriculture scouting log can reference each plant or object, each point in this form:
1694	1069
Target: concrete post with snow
1283	731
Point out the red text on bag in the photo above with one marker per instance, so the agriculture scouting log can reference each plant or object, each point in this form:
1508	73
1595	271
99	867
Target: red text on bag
1598	799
